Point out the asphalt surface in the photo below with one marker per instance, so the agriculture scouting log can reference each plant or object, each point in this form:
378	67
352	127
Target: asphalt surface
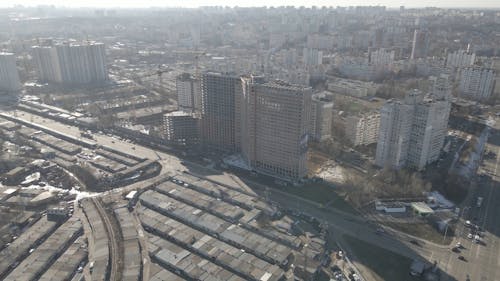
483	262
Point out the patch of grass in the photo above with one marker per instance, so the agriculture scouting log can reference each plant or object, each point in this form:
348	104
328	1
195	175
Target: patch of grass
386	265
424	231
323	194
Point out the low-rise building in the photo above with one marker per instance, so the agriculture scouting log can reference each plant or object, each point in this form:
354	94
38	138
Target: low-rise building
181	127
353	88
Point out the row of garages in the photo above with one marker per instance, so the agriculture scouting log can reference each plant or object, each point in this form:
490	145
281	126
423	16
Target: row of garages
41	258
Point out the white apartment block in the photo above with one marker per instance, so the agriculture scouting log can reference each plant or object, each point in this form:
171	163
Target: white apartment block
312	57
181	127
356	69
362	129
382	58
321	116
412	131
476	83
188	92
275	125
353	88
460	59
9	77
71	63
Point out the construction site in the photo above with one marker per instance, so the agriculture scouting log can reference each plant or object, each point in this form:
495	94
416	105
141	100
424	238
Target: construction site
130	212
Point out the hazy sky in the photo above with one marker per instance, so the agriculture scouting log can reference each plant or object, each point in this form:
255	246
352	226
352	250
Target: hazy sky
244	3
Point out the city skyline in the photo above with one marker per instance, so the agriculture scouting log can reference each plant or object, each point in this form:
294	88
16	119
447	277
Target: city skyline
257	3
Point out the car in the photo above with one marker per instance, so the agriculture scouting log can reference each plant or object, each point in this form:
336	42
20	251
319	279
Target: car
458	245
462	258
468	223
470	236
455	250
415	242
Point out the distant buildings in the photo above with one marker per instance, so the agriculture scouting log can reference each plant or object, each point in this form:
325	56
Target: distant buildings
318	41
275	128
460	58
312	57
362	129
181	127
382	58
353	88
476	83
71	63
420	46
9	77
412	131
188	92
359	68
321	116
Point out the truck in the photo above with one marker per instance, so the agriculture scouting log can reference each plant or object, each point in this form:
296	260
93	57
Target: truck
479	202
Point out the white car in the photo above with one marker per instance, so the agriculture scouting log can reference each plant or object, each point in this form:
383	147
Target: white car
470	236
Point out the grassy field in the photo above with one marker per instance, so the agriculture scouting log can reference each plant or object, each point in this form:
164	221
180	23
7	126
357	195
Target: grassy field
386	265
422	230
323	194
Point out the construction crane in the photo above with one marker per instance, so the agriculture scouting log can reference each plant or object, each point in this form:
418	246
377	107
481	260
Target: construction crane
197	55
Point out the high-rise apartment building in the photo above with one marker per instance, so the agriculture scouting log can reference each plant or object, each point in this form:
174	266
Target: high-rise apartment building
321	116
9	77
188	92
412	131
71	63
275	128
420	46
220	111
460	58
441	86
382	57
362	129
312	57
476	83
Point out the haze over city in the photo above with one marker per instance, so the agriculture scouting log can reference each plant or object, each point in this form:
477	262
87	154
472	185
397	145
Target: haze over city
191	140
256	3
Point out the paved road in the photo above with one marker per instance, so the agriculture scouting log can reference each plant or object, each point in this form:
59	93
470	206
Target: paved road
483	259
483	265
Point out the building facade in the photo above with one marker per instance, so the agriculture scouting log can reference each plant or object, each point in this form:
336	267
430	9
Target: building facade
9	76
71	63
460	58
181	127
275	127
362	129
420	46
321	116
221	96
476	83
412	131
188	92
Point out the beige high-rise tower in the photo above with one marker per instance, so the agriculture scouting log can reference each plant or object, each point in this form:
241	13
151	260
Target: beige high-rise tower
275	124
